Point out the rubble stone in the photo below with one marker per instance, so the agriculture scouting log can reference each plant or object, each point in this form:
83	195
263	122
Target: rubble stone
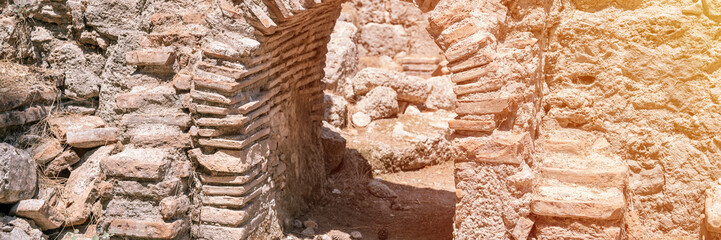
17	170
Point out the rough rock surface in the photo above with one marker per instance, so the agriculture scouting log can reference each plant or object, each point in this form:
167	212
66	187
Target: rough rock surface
409	89
336	110
407	143
333	146
381	102
18	173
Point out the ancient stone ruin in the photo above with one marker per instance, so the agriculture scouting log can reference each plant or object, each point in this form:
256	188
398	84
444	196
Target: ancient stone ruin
360	119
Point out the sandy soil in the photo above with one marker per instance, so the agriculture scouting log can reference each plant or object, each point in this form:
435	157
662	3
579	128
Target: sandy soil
427	194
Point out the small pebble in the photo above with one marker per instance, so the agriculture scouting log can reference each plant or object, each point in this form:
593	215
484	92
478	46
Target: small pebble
336	191
356	235
310	224
308	232
297	223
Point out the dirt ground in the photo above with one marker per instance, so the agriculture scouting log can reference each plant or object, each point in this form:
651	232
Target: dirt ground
426	194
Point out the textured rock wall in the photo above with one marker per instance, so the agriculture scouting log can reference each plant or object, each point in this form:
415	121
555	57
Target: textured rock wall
644	75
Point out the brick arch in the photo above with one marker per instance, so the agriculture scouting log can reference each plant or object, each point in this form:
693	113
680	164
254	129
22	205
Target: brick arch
251	84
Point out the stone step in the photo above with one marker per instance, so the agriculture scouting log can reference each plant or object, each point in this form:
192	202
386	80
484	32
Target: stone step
565	201
137	163
591	162
457	32
147	229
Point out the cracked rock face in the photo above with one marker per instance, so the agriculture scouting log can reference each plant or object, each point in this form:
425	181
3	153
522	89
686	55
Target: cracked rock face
17	171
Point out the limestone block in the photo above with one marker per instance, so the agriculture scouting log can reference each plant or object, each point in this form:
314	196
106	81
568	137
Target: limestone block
713	208
441	95
383	39
381	102
37	209
81	187
410	89
333	147
61	125
336	111
93	137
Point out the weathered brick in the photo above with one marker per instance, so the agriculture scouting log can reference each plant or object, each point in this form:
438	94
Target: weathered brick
231	190
498	148
479	87
227	201
484	106
174	206
229	180
227	217
93	137
47	151
62	162
475	126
